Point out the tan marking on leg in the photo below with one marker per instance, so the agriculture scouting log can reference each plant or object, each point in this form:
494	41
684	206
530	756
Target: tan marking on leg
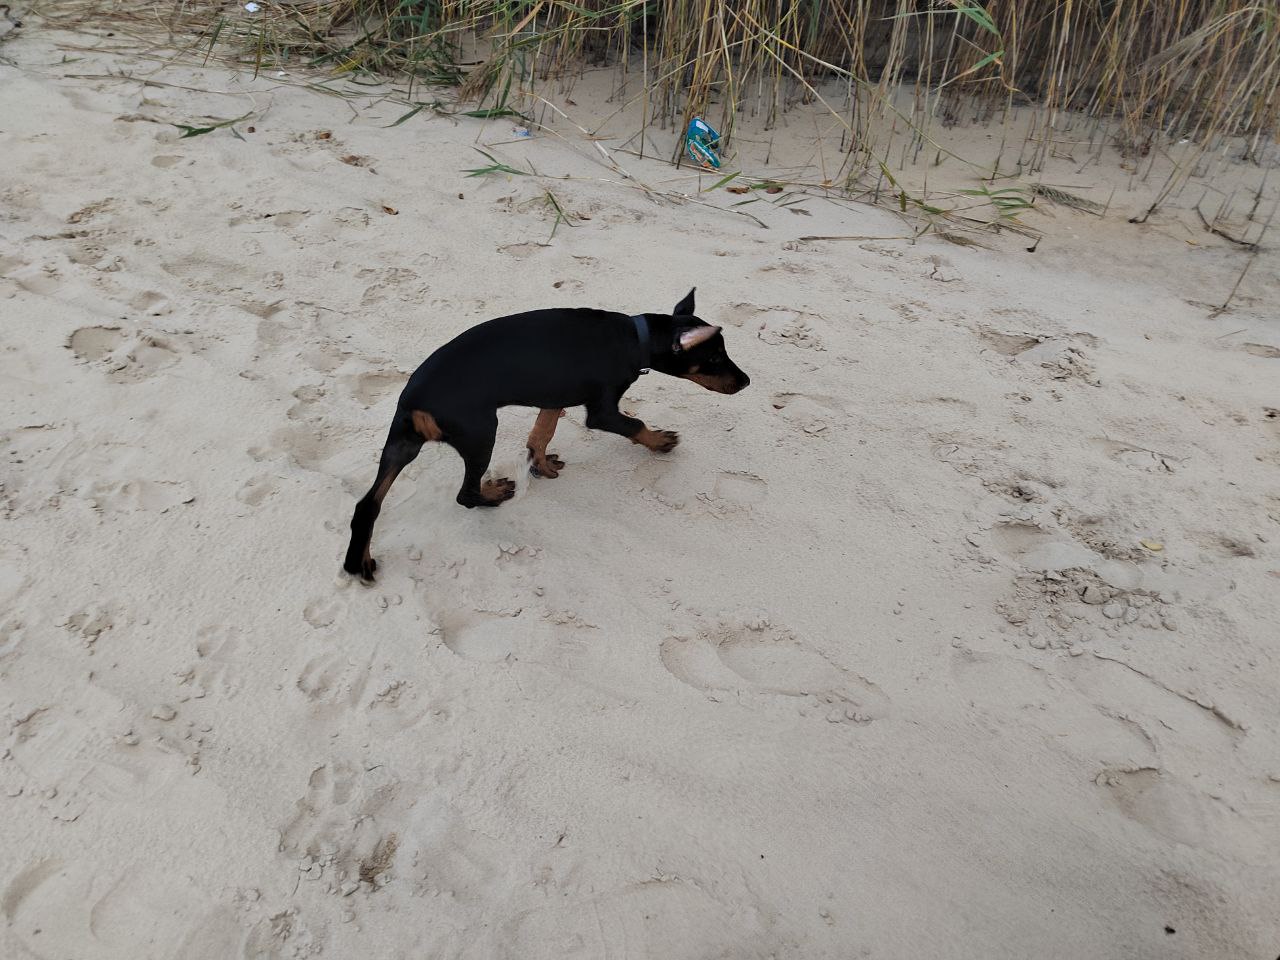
544	429
426	427
496	491
380	494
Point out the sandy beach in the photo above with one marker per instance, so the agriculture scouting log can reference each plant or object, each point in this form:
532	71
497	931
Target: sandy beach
955	635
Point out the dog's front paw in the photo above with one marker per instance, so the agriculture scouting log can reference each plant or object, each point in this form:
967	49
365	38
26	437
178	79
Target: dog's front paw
669	441
548	465
497	491
659	441
363	568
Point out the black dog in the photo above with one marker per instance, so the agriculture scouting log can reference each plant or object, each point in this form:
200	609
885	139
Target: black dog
550	359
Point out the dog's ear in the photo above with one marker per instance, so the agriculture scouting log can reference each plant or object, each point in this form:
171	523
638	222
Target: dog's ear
685	307
690	337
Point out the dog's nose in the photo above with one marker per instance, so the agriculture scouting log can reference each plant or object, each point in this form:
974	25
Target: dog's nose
746	382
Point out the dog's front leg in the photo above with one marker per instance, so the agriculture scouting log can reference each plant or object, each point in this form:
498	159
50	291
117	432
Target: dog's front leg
541	463
605	415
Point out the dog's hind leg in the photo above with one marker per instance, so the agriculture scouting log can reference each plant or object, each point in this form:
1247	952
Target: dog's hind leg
404	441
475	445
541	463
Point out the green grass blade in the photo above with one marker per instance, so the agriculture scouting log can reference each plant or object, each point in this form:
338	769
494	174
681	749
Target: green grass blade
412	113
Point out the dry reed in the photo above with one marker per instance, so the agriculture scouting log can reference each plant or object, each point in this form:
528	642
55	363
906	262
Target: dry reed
1139	75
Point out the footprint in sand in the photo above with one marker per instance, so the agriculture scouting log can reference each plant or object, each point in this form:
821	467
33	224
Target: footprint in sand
522	251
263	309
204	271
88	752
256	490
218	669
376	385
967	454
92	621
323	612
1062	360
941	270
330	788
308	397
311	445
334	680
360	829
91	210
324	358
74	908
347	826
814	414
285	219
1227	547
138	496
128	357
92	248
347	218
769	663
150	302
1016	540
1261	350
312	439
1173	810
275	331
1022	490
396	706
486	637
781	326
1009	344
783	266
1136	457
657	481
400	282
741	488
83	460
96	343
517	555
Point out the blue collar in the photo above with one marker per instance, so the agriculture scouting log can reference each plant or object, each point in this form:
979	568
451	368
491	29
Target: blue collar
642	334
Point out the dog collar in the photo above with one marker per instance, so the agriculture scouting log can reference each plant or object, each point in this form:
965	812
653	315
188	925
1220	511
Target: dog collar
642	333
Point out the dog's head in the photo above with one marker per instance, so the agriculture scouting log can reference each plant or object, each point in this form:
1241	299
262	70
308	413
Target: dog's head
698	352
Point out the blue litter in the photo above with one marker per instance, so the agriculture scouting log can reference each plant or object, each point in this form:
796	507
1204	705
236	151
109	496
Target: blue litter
701	142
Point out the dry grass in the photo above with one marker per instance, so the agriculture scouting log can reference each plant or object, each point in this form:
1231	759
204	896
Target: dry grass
1144	69
1138	75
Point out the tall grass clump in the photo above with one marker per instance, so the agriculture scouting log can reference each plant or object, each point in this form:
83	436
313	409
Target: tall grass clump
1136	74
1196	82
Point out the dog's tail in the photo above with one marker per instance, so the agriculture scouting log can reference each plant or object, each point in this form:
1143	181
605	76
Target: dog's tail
410	429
